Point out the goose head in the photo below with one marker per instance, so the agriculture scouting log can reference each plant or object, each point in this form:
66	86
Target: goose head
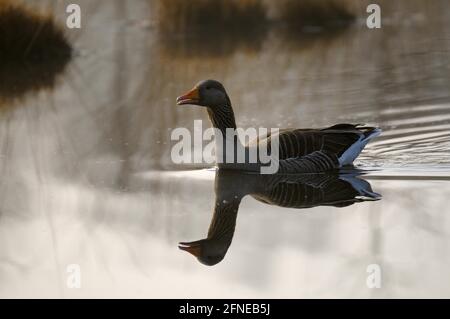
208	252
209	93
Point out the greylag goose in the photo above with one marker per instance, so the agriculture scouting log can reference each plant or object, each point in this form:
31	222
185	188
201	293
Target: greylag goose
288	190
299	150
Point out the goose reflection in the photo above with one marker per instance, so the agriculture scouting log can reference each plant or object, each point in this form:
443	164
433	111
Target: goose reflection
291	191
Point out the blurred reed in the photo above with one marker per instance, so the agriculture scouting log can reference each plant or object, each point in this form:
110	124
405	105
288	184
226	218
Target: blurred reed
320	15
204	15
211	27
218	27
33	50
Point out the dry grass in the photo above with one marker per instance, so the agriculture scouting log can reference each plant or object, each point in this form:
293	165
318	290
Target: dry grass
33	49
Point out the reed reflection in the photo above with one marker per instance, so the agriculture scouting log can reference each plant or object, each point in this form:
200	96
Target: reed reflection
192	28
216	29
290	191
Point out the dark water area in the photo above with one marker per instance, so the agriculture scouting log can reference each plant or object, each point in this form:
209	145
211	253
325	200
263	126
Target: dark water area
87	175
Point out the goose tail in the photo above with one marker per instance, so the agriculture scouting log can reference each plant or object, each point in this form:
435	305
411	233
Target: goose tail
368	133
362	187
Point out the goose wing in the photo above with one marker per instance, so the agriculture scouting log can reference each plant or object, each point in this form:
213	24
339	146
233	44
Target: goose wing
334	140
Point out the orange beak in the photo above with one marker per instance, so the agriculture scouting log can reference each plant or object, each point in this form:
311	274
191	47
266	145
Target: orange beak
191	97
194	248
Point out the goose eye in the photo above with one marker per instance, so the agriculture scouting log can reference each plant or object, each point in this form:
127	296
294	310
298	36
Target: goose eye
208	87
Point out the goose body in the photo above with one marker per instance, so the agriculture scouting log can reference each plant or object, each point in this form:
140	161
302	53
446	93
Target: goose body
299	150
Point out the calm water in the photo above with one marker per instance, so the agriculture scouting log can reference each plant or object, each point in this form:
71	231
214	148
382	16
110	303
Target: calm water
87	177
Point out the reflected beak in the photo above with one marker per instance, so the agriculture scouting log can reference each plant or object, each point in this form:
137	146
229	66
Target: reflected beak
194	248
191	97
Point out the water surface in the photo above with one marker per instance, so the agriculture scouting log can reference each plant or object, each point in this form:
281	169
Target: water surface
87	176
